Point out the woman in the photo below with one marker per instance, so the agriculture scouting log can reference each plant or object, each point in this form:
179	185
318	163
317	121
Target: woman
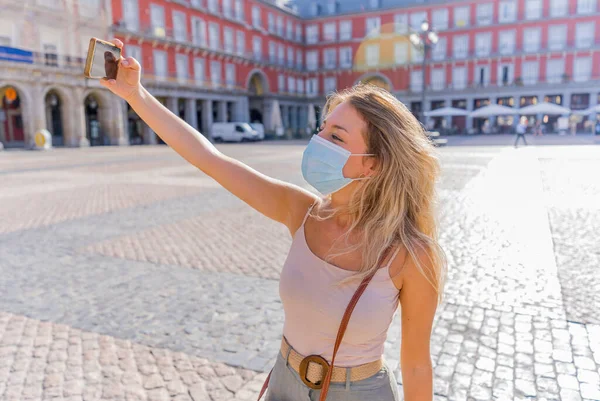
376	172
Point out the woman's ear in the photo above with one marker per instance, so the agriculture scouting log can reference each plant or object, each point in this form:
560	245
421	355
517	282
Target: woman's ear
371	164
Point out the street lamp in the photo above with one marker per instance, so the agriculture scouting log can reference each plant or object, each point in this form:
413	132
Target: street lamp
424	40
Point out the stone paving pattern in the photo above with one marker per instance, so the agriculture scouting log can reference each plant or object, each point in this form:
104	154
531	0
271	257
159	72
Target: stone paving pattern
127	274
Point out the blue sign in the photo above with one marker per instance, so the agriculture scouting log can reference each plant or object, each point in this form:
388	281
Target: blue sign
16	55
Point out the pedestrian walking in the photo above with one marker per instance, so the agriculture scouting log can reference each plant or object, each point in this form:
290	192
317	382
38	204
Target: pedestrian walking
362	247
538	129
521	129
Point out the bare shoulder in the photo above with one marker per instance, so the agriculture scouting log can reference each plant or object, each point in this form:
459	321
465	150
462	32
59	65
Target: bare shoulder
299	203
405	267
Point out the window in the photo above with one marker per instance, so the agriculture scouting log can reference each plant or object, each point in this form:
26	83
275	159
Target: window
135	52
329	32
291	84
230	75
290	30
281	54
558	8
131	15
198	31
416	55
227	12
300	86
584	35
290	57
311	60
439	51
555	69
199	71
215	73
228	38
256	20
401	53
298	33
257	47
281	83
416	19
330	85
531	39
280	25
346	57
505	74
507	11
586	6
557	37
459	78
416	80
461	16
483	44
440	19
482	75
240	42
438	78
373	25
197	4
213	36
157	17
272	52
299	59
213	6
329	56
346	30
372	55
485	14
239	10
312	88
582	69
530	72
271	23
374	4
51	54
160	63
312	34
461	46
506	42
401	23
181	65
533	9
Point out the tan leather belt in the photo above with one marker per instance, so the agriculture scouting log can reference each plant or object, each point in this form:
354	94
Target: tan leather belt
312	369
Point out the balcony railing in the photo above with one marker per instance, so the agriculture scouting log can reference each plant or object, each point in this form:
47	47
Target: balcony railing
49	60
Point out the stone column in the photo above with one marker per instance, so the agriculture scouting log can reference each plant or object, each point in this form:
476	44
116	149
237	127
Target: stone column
149	135
38	113
79	138
469	123
190	113
222	111
207	117
172	104
117	125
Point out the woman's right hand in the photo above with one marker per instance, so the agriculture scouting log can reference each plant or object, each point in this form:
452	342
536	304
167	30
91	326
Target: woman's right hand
127	83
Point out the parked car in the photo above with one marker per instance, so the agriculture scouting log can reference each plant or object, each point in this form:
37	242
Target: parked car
258	127
234	132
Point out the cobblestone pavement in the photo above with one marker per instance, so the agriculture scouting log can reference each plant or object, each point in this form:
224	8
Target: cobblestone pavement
126	274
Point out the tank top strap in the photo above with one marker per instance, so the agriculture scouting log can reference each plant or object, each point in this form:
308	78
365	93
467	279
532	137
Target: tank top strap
308	212
389	263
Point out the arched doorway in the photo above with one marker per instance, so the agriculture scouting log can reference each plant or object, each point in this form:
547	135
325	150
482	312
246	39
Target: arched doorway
54	117
94	132
12	133
257	89
135	127
377	80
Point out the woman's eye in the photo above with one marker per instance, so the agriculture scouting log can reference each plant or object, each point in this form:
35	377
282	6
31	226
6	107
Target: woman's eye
337	138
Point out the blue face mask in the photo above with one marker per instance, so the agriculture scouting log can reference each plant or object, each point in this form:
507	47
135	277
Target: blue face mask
322	165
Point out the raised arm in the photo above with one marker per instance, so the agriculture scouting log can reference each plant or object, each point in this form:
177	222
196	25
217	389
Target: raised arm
280	201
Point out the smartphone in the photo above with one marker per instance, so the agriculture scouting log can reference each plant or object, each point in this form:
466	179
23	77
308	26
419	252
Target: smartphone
102	60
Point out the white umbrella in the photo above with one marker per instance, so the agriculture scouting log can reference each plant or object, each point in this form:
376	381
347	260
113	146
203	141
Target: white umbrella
276	122
544	108
591	110
447	111
493	110
312	117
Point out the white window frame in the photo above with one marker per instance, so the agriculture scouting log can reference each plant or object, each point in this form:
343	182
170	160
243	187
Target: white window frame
290	57
530	72
157	57
416	19
477	75
485	14
372	54
272	52
511	74
271	23
440	19
533	9
216	73
257	47
512	16
240	42
438	78
312	34
131	14
330	58
312	60
199	71
459	77
228	34
230	75
346	30
291	83
401	53
329	32
199	37
214	36
343	52
579	64
227	10
586	6
329	85
401	23
532	39
439	51
559	8
555	68
157	19
416	80
460	46
508	49
256	18
279	25
585	34
483	44
557	37
373	26
181	67
299	57
464	20
239	10
281	83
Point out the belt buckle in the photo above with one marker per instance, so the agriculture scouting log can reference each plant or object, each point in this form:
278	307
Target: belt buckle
319	360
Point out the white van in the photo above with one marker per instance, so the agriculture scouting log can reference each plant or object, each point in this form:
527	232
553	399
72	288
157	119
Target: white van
234	132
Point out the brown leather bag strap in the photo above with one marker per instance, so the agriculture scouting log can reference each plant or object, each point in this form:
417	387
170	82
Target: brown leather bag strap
345	319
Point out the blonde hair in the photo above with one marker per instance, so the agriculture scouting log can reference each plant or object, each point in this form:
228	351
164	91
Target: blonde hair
395	207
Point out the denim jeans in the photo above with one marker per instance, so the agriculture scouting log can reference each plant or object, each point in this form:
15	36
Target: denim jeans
285	385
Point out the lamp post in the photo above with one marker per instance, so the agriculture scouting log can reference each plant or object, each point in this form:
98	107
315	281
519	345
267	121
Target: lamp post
424	40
